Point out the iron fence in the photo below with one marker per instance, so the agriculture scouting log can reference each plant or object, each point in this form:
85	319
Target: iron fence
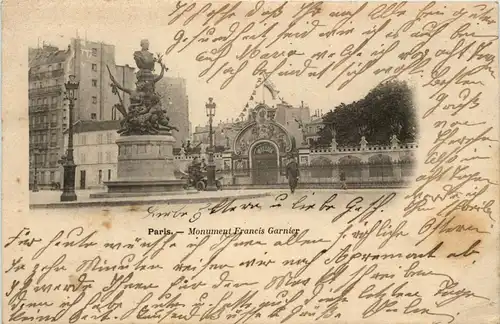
356	175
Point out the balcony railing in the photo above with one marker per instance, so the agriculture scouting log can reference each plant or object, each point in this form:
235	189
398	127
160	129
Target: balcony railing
45	90
40	126
39	108
39	146
46	75
35	77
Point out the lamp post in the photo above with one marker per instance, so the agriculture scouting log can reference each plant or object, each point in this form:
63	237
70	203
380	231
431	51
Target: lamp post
210	107
69	163
35	165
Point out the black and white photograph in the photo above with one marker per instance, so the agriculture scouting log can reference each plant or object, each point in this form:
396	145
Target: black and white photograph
101	130
250	162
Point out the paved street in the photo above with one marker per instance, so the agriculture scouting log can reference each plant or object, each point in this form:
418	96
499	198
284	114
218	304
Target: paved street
48	199
299	201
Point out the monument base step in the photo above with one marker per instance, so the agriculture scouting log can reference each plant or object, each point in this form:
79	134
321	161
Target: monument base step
142	188
100	195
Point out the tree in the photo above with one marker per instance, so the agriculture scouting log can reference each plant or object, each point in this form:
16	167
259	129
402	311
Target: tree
385	111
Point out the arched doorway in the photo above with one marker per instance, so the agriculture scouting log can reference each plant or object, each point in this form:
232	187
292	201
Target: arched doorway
264	163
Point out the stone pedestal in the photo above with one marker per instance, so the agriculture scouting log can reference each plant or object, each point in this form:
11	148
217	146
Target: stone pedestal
145	165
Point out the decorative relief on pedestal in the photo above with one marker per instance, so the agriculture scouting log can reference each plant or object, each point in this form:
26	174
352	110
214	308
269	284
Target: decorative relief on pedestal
141	149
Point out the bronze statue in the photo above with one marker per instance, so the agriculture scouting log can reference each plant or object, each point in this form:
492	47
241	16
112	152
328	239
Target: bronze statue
144	59
145	115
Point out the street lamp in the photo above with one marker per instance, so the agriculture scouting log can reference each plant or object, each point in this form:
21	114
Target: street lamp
35	151
210	107
69	163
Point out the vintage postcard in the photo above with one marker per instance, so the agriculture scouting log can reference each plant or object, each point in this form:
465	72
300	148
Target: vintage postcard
250	162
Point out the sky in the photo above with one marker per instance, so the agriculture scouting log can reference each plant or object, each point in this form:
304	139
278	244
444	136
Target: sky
125	26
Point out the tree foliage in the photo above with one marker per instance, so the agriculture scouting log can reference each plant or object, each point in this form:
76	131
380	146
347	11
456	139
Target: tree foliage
385	111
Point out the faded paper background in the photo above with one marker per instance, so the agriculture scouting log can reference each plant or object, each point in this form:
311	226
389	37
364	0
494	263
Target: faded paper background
321	276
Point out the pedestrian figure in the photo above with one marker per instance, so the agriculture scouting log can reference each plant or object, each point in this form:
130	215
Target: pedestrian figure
194	171
292	174
203	165
342	180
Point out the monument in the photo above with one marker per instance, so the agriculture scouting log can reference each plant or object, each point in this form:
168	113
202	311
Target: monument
145	146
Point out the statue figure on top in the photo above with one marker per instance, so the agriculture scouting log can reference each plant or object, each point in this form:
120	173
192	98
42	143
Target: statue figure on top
394	141
145	115
144	59
363	143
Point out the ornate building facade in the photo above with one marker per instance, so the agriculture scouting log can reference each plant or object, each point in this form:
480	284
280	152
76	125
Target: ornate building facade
269	132
262	146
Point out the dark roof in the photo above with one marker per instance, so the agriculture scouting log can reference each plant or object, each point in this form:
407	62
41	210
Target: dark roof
47	56
85	126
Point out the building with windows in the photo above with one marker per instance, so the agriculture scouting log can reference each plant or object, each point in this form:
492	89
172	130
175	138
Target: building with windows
89	61
175	100
125	75
311	129
223	133
46	111
95	152
49	69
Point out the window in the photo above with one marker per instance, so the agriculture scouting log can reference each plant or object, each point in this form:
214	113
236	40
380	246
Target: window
53	118
82	158
94	52
109	138
100	177
59	66
93	116
39	101
108	157
50	68
99	157
94	82
94	67
109	175
94	99
45	101
99	139
83	139
33	102
54	99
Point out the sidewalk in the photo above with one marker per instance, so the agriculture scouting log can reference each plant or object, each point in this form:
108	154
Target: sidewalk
51	199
